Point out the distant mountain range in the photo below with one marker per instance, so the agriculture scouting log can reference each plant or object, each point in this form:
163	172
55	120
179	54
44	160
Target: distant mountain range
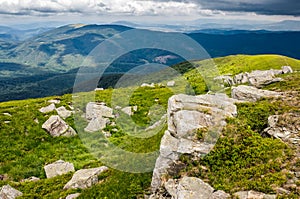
44	61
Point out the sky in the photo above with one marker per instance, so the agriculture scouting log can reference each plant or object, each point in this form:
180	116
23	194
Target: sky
164	11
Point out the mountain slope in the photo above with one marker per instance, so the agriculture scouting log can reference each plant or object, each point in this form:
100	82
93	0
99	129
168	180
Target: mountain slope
26	147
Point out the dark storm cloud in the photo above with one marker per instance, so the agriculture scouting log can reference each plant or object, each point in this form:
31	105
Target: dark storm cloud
267	7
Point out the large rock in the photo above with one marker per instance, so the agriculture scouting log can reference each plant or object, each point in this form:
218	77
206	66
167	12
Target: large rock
287	69
251	94
97	124
259	78
98	110
129	110
253	195
225	80
58	168
58	127
7	192
85	178
192	188
185	115
63	112
48	109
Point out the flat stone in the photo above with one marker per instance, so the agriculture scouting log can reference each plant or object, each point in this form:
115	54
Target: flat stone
63	112
48	109
96	124
73	196
171	84
7	192
97	110
251	94
85	178
54	101
58	168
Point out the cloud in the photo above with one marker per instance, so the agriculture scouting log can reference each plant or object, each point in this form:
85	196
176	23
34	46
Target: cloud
149	7
267	7
104	7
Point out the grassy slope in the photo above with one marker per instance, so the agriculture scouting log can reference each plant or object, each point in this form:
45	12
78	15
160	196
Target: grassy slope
26	148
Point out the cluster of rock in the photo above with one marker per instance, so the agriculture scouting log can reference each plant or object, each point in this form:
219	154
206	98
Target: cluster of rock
97	114
82	179
152	85
285	127
257	78
186	114
55	125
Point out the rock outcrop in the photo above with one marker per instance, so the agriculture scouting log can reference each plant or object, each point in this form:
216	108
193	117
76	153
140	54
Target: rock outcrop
58	168
253	195
58	127
186	114
85	178
7	192
48	109
251	94
256	78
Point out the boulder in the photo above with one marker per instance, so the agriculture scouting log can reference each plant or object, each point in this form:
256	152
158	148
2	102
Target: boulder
225	80
251	94
192	188
54	101
48	109
58	127
241	78
253	195
63	112
185	115
58	168
7	192
287	69
96	124
259	78
97	110
85	178
129	110
31	179
152	85
171	84
73	196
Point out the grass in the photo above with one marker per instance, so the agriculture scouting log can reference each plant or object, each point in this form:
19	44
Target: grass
242	159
